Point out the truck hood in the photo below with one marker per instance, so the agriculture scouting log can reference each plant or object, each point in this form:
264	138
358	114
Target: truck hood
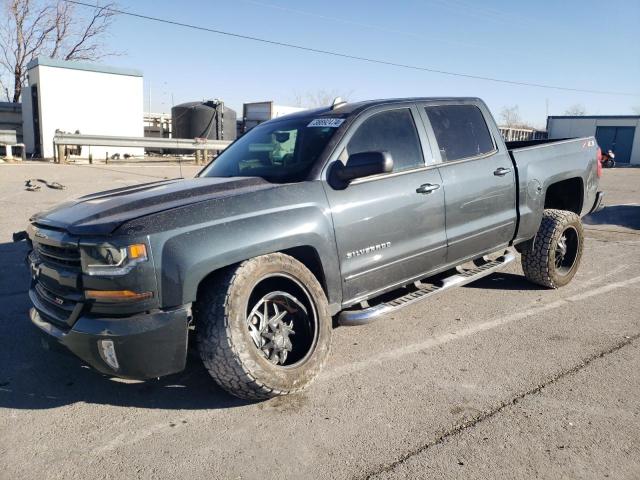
102	213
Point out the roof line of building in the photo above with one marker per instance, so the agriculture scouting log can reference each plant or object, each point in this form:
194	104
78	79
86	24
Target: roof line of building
89	67
596	116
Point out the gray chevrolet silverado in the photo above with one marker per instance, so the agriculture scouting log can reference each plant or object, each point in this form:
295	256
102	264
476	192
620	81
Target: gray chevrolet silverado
338	215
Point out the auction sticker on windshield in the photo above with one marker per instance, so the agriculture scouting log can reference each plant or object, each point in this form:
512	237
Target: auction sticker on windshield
326	122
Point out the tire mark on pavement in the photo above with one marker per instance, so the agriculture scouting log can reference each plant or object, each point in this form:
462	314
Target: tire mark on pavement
461	427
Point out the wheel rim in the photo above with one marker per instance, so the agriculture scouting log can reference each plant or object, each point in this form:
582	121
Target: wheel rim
566	251
282	322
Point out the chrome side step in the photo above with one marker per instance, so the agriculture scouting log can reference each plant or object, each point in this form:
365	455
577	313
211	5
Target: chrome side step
482	268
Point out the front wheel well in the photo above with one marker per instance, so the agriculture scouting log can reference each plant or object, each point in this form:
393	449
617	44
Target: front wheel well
310	258
305	254
565	195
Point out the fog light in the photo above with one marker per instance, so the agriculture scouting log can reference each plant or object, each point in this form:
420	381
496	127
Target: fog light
108	353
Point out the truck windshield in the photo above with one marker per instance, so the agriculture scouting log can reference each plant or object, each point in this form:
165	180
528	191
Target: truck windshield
280	152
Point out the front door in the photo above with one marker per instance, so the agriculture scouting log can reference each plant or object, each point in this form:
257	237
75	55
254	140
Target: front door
386	231
478	178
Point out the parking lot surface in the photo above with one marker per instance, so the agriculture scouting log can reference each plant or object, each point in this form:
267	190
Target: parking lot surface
498	379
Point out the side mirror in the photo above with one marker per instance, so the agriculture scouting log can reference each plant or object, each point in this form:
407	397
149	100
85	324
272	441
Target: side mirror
359	165
282	137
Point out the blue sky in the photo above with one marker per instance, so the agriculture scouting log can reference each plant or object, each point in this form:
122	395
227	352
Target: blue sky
576	43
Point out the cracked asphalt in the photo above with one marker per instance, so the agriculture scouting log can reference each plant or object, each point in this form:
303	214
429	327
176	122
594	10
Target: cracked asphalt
498	379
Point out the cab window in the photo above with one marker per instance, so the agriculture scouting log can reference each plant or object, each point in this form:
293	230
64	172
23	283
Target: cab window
393	131
460	130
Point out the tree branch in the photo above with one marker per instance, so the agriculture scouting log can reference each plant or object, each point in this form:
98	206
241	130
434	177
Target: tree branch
49	27
98	25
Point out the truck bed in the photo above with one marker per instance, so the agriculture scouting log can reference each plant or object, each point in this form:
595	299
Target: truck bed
540	163
531	143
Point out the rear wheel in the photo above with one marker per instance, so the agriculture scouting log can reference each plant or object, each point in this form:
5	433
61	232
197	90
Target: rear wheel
553	259
264	327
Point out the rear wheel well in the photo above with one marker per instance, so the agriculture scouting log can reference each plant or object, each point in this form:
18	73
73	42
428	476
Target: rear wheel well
565	195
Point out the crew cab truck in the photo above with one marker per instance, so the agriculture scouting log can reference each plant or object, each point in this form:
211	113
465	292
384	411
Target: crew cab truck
337	215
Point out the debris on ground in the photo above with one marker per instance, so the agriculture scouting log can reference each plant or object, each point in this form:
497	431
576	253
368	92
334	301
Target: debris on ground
32	184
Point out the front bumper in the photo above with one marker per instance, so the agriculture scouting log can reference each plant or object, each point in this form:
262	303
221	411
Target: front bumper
146	345
597	204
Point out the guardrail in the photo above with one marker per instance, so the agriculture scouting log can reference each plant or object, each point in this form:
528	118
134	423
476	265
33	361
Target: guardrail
8	140
8	137
199	145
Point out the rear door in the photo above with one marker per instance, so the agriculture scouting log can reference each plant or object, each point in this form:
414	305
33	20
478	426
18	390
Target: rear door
386	231
478	178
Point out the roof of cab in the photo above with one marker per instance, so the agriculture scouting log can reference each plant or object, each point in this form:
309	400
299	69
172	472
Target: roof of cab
346	109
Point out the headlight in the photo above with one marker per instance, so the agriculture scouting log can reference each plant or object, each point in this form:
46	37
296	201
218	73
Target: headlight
109	260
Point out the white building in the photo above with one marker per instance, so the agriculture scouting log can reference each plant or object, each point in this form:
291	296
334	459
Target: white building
77	96
619	133
254	113
516	134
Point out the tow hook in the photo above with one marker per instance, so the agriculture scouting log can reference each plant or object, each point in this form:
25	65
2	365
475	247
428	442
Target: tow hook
20	236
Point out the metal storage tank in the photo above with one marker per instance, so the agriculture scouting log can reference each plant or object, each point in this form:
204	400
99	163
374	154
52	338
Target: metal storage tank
208	119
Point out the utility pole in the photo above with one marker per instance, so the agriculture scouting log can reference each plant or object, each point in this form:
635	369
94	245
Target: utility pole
546	101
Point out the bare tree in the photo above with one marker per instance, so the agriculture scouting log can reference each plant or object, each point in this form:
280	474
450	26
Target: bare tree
319	98
511	116
4	91
576	110
51	28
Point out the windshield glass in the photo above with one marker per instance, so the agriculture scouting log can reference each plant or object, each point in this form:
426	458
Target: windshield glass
279	152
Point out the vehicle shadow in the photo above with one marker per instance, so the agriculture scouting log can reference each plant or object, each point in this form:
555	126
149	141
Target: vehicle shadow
504	281
34	378
627	216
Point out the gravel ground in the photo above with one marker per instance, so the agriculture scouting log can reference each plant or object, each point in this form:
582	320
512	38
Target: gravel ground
498	379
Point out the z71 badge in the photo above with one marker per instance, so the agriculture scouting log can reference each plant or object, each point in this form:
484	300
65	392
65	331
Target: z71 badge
372	248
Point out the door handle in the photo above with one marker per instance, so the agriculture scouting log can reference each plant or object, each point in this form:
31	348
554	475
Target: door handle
501	172
427	188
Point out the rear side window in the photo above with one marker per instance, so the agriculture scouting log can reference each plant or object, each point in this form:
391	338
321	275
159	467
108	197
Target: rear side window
460	130
393	131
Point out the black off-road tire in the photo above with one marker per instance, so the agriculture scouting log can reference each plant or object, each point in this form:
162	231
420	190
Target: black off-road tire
225	345
539	261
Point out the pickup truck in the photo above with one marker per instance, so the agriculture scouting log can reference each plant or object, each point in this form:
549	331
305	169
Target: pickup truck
333	216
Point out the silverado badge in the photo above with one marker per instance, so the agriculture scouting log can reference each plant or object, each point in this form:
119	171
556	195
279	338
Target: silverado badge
372	248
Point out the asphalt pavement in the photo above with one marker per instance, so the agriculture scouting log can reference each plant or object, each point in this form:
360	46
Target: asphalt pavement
498	379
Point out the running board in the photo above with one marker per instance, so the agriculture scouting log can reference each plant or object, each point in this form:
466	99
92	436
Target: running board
482	268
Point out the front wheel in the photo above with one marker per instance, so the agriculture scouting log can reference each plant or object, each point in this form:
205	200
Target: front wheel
555	255
263	327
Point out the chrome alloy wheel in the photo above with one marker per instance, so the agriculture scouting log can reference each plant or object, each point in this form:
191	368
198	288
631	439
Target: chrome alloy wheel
280	326
566	250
